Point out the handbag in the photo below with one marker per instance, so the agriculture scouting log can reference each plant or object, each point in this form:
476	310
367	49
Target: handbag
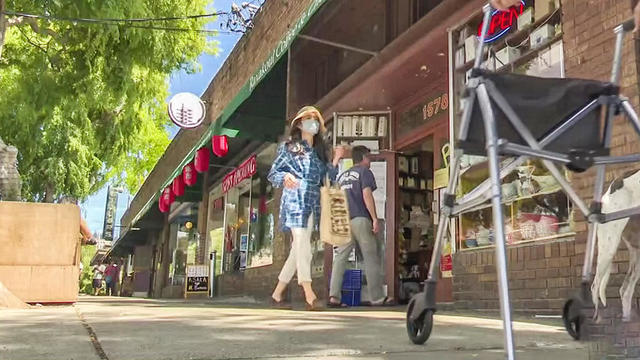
335	222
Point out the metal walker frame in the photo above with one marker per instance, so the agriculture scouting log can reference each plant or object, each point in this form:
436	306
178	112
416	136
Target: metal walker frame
482	91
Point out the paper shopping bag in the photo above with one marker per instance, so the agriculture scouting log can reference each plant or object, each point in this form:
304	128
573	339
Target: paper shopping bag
335	223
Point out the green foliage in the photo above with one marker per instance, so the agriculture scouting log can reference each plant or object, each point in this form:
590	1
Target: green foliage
86	278
86	104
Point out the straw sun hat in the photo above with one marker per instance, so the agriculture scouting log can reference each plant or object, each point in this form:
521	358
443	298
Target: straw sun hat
309	111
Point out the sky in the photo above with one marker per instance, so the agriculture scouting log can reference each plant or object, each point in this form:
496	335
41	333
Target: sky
93	208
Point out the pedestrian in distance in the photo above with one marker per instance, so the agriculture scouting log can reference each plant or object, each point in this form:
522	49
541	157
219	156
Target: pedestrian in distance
98	275
111	276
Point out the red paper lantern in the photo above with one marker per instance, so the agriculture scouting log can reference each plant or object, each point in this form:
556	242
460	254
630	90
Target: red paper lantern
201	160
189	175
178	186
220	145
167	197
162	206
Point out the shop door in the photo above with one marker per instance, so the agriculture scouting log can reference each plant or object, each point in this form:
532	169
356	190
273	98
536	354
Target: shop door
383	166
418	202
441	158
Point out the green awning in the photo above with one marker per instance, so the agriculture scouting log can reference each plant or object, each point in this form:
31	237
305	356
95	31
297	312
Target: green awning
262	115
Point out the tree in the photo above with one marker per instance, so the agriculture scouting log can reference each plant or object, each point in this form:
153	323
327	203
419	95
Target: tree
86	103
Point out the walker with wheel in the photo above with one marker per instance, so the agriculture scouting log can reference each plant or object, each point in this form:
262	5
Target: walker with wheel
509	119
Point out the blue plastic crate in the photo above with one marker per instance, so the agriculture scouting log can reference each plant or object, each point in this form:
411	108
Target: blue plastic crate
352	280
351	297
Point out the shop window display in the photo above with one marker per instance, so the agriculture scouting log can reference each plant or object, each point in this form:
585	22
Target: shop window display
535	208
183	253
250	218
215	228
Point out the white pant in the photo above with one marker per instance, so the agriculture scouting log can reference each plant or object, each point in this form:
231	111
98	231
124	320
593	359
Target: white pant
300	255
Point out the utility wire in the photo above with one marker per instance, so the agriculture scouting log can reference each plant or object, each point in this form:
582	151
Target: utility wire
113	20
127	23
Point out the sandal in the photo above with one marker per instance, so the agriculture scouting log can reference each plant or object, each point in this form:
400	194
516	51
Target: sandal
314	306
387	301
335	304
280	304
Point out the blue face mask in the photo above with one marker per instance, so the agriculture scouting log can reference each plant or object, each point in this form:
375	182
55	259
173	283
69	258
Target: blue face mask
312	126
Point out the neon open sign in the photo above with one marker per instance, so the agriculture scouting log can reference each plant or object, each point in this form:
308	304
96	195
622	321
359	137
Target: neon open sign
502	22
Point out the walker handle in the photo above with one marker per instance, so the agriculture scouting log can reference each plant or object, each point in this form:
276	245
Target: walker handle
628	25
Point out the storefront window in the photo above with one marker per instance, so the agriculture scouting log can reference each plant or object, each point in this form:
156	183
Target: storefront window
215	228
250	218
535	208
183	253
262	223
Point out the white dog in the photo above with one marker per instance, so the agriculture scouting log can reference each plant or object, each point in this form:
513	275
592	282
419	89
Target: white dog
623	193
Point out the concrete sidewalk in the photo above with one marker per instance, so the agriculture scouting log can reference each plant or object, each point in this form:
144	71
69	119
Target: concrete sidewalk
151	329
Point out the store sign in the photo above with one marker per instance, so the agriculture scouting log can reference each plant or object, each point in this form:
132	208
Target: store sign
435	106
446	263
197	279
246	170
502	22
283	45
422	113
110	214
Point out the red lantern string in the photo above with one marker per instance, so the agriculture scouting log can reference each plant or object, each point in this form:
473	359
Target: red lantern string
168	197
189	175
162	206
201	160
220	145
178	186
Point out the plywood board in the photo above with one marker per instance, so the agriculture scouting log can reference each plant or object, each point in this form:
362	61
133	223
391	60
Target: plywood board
39	234
49	283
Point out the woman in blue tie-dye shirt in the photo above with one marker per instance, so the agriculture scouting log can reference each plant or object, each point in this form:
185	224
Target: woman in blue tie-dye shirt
300	167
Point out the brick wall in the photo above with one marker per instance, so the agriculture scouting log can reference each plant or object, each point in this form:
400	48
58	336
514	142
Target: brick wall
589	44
542	277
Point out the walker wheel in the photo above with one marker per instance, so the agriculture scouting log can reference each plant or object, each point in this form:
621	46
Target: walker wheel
419	330
572	318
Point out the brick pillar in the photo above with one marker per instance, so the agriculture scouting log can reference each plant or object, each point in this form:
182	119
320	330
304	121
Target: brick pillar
589	46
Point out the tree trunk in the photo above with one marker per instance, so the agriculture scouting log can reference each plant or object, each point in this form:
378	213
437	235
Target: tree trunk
3	25
49	191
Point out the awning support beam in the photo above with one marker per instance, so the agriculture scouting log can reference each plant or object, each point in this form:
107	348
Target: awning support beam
342	46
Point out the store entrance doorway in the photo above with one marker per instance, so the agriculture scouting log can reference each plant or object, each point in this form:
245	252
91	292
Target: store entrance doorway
418	211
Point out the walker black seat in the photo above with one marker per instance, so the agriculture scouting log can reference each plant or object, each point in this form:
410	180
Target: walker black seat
542	104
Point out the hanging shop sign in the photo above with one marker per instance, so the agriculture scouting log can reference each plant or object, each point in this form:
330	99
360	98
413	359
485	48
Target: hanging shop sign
110	213
187	110
246	170
502	22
